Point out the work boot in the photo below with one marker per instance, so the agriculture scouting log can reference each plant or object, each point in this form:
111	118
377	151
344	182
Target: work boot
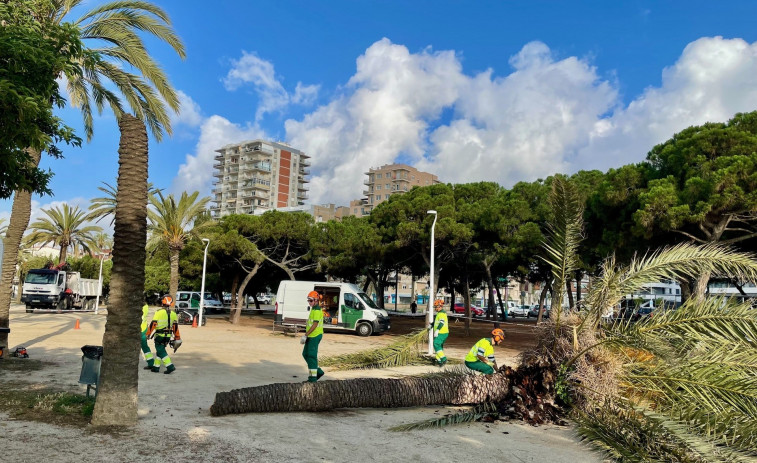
320	373
155	369
169	370
148	367
443	362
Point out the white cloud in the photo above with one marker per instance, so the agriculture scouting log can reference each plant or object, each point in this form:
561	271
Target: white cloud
251	69
547	114
190	113
711	81
197	171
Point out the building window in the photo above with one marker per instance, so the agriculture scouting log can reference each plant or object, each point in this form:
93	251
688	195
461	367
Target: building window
387	186
378	187
378	175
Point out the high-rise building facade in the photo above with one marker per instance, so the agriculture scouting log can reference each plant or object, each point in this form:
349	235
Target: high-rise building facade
258	175
387	180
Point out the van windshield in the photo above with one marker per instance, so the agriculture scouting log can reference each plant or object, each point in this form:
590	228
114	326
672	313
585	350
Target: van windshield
40	278
209	297
368	301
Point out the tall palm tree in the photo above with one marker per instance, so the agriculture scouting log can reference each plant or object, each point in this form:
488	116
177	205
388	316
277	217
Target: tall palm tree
112	34
172	223
64	226
3	228
105	206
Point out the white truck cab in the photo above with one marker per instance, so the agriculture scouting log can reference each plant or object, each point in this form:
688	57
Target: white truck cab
345	307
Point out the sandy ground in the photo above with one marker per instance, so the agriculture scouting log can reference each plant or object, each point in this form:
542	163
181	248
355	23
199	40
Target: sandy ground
175	424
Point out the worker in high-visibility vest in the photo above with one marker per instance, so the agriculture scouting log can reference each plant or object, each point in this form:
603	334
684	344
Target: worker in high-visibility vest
165	328
149	358
441	331
481	355
312	337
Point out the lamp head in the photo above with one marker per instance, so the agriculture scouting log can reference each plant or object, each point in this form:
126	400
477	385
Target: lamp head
431	212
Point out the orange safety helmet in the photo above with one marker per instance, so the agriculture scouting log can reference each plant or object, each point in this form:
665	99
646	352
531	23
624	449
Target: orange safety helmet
314	295
438	303
167	301
498	335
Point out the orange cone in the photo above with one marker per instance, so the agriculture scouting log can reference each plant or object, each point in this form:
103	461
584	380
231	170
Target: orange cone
76	327
194	321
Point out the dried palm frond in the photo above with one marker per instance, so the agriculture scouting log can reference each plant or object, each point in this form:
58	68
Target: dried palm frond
405	351
474	414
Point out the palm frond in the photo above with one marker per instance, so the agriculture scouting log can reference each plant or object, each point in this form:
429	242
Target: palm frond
404	351
467	416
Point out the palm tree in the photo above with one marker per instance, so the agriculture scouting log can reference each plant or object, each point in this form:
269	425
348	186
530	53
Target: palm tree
64	226
105	206
171	223
3	228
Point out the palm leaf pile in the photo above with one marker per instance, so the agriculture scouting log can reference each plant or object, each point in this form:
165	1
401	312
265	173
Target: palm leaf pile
406	350
485	411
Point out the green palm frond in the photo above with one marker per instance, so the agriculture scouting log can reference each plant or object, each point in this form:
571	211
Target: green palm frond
565	232
630	436
466	416
172	222
404	351
681	261
114	32
105	206
64	227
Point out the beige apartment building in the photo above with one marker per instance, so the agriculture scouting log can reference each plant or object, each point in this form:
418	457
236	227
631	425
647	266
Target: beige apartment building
385	181
258	175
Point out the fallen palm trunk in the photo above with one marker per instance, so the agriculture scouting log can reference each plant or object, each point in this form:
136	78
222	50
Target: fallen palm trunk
442	389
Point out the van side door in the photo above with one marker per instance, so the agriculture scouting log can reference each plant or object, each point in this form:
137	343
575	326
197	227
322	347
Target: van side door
352	310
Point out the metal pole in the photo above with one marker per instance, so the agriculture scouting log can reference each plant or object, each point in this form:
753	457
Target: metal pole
99	284
202	286
431	292
396	284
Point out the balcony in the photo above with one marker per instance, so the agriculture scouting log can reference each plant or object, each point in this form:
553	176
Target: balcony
304	172
218	165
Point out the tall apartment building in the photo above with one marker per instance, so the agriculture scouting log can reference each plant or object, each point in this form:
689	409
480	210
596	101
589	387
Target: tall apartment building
258	175
387	180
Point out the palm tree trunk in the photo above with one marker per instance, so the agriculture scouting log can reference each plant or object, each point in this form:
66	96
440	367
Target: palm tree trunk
173	285
63	253
116	403
19	220
364	392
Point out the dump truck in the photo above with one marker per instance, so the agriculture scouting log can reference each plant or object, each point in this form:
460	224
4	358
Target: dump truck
58	289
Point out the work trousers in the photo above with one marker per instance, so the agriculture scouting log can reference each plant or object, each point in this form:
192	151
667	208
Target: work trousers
162	354
310	354
478	365
439	348
146	350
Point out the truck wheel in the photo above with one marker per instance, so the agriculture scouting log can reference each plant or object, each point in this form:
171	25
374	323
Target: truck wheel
364	329
29	308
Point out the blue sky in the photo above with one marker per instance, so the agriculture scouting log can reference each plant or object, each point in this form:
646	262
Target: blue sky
487	90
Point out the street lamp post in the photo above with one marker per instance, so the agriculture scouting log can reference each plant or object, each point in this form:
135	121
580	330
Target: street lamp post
432	293
202	286
99	283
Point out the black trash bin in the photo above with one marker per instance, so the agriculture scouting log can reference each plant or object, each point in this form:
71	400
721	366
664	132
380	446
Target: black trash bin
90	367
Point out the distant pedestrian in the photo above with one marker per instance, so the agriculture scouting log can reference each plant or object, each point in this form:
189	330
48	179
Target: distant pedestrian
413	307
481	356
165	328
312	337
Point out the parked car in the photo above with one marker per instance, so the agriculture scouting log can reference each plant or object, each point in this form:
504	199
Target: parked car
264	299
475	311
519	311
534	311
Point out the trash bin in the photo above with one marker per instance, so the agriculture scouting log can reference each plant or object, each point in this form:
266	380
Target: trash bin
90	367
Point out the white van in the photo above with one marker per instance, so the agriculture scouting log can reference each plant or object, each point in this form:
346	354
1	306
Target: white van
190	300
344	306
